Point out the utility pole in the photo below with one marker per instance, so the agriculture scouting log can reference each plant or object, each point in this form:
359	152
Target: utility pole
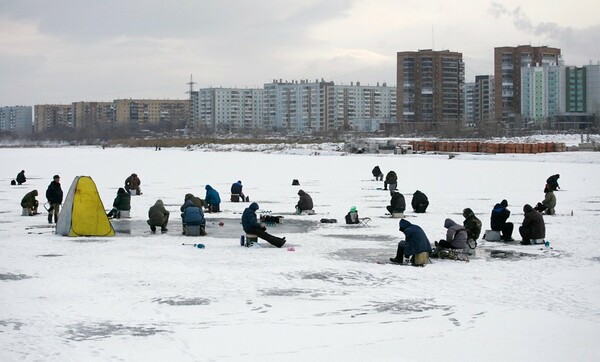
192	121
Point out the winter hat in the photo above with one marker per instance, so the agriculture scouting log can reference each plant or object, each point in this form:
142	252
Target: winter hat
55	177
253	206
353	209
527	208
504	203
188	196
121	191
301	192
239	182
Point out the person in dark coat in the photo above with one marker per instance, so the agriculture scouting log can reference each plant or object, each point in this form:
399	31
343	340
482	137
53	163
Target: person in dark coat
498	220
21	177
304	203
236	189
391	180
472	224
193	215
552	182
121	203
352	216
419	202
30	203
416	242
213	199
377	173
397	203
196	201
133	183
548	203
456	236
54	195
158	216
533	225
252	226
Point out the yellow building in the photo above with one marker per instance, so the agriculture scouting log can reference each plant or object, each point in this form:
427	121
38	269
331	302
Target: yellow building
142	113
90	115
49	116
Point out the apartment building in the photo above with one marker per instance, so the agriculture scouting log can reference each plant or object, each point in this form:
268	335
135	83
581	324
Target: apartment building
429	88
16	120
151	113
52	116
508	62
229	109
540	91
469	103
483	99
90	115
360	107
297	106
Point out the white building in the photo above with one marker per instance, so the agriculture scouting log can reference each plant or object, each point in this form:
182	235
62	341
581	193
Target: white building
17	120
593	88
542	94
229	109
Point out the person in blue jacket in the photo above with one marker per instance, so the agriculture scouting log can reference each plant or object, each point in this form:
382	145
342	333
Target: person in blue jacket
212	199
416	242
236	189
193	215
252	226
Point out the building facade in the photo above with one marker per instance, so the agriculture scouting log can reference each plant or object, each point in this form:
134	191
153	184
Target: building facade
483	99
508	62
429	88
48	117
230	109
541	93
469	104
592	82
297	106
16	120
93	115
137	114
360	108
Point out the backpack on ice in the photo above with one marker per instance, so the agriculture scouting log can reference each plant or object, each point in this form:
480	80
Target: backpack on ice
83	213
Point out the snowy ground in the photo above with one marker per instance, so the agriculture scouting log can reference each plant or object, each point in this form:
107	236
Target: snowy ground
146	297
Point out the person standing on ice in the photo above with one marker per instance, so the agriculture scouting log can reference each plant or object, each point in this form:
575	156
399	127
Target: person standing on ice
498	220
416	245
304	203
377	173
252	226
54	195
212	199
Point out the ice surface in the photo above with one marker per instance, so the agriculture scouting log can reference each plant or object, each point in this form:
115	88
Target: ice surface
139	296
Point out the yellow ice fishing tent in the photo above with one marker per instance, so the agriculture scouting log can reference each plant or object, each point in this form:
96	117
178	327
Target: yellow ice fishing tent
82	212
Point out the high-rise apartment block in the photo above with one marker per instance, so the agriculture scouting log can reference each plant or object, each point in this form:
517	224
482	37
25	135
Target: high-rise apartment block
144	113
229	109
16	120
541	88
52	116
93	115
297	106
429	88
508	62
360	107
469	104
483	99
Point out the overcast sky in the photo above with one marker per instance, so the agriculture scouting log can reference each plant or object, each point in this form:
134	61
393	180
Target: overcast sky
64	51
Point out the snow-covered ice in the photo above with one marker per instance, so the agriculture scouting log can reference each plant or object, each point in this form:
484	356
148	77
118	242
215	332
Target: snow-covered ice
139	296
